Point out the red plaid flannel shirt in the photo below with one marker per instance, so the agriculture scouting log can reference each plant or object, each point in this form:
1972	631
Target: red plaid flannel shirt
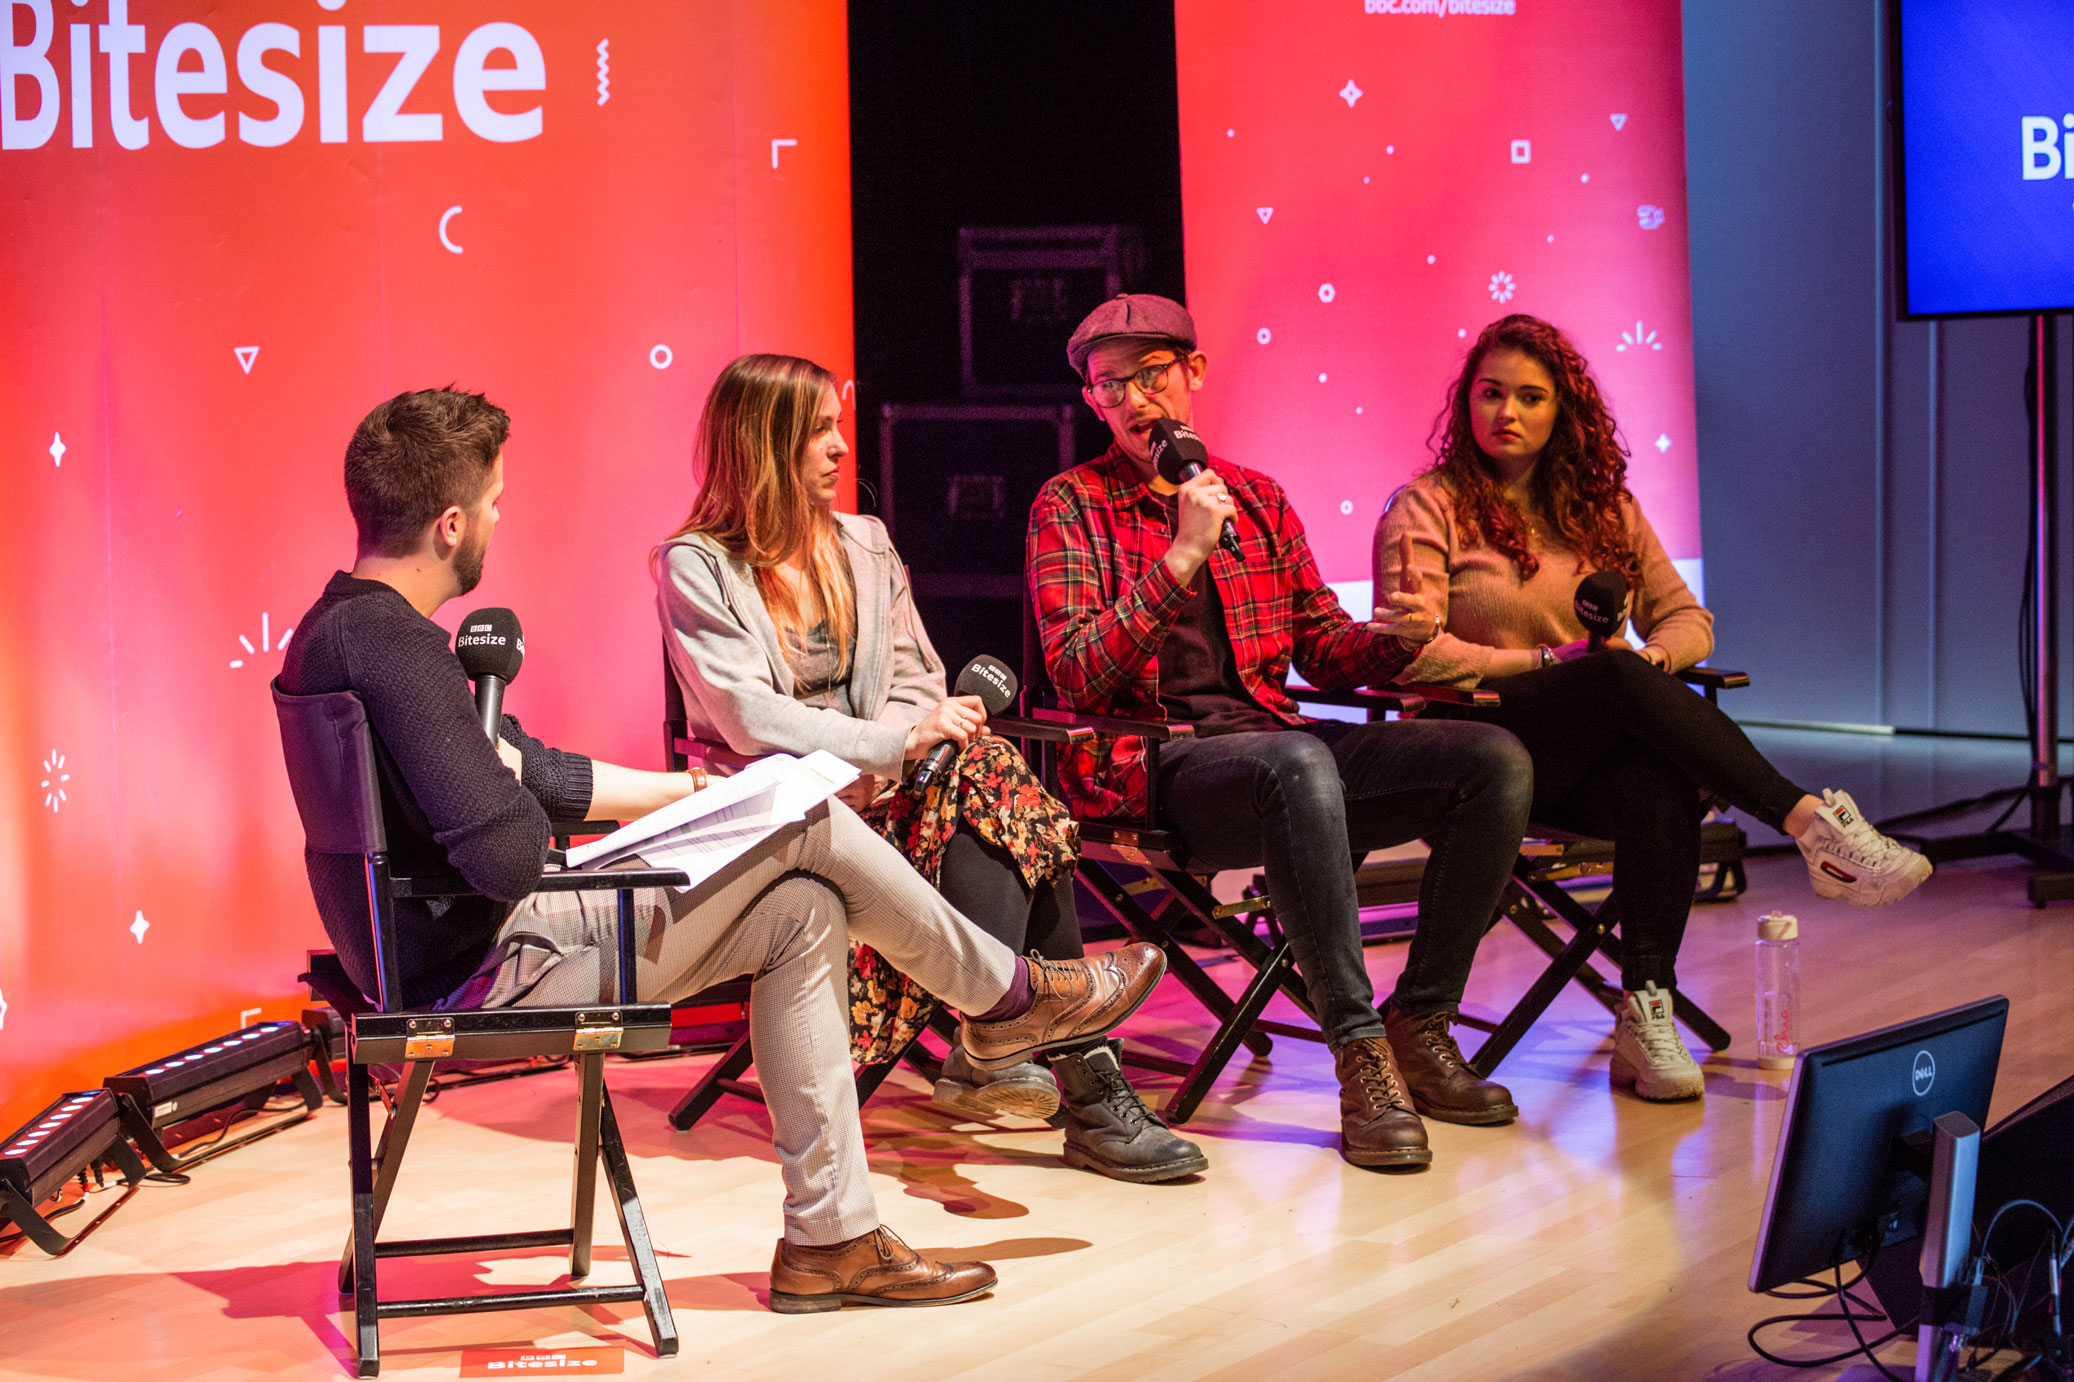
1104	602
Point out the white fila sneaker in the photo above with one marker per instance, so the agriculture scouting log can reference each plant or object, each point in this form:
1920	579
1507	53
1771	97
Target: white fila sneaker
1648	1052
1847	858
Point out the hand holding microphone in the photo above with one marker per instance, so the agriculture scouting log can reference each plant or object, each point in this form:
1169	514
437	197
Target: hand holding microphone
1603	603
994	686
1180	457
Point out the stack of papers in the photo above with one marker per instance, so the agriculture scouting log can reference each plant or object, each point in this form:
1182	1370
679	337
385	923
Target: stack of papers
706	831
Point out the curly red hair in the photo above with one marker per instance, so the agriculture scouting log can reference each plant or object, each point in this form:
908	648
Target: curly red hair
1582	476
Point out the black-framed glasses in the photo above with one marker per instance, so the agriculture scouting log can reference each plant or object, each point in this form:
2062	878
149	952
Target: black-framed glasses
1108	393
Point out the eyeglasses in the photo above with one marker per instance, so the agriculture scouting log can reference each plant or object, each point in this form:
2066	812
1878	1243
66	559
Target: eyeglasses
1108	393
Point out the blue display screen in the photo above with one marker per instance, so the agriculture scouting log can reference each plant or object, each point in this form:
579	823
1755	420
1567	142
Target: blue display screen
1986	111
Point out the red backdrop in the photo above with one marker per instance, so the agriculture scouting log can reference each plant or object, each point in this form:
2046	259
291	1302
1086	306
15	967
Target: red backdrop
189	330
1369	183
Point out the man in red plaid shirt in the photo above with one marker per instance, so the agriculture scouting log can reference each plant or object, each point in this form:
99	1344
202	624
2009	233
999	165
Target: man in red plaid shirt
1143	613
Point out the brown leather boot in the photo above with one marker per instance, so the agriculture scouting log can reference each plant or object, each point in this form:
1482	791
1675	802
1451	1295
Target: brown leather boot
877	1269
1441	1083
1075	999
1377	1126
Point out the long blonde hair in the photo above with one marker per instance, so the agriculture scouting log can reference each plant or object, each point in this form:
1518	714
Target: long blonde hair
758	418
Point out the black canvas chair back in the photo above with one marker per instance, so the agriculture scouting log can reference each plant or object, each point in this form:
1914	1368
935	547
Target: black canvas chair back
330	752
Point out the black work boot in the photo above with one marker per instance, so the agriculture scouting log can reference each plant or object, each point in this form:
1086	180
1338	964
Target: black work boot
1441	1083
1108	1127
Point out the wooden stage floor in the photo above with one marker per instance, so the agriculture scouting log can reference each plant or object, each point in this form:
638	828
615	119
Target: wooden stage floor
1599	1237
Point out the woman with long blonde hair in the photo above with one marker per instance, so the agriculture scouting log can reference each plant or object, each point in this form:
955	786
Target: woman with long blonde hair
790	628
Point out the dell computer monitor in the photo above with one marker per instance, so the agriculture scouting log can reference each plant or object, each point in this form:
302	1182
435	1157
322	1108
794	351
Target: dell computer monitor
1983	128
1851	1171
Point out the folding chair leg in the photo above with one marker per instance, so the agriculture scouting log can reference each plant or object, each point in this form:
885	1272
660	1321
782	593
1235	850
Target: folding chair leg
1711	1033
1588	978
1695	1018
1527	1011
922	1060
590	1074
360	1161
1239	936
725	1072
1180	963
1225	1042
633	1227
388	1158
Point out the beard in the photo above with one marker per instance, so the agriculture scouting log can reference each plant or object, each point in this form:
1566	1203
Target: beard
468	562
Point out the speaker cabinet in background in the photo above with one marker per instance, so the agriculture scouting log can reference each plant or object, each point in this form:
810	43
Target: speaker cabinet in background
1022	290
956	481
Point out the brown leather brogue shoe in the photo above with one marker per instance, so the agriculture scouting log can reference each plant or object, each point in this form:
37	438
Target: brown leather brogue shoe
877	1269
1377	1126
1075	999
1441	1083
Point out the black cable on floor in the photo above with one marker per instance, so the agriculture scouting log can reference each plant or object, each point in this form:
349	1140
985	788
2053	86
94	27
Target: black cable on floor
1840	1293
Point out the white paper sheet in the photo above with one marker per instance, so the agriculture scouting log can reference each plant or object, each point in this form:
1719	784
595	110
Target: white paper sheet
706	831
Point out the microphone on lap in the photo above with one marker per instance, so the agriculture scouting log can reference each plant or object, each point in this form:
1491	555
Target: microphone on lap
987	678
1178	454
491	648
1602	605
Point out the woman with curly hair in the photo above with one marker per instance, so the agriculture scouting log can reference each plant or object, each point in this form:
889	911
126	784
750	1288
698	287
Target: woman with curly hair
790	628
1527	495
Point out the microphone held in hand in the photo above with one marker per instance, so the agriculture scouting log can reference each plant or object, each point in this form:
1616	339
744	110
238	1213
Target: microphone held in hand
1179	455
1602	604
491	648
987	678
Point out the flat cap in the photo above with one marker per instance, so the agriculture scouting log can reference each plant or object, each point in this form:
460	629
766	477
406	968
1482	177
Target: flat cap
1129	314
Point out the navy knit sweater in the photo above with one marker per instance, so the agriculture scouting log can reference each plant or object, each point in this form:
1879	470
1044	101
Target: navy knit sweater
448	801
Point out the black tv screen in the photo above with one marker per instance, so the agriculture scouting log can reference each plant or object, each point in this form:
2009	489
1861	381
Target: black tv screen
1983	125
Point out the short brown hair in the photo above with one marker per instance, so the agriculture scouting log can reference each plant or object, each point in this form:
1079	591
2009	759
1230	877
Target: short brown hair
416	456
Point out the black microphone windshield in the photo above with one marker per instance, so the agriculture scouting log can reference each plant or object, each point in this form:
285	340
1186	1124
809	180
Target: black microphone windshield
1602	603
1177	452
489	644
989	679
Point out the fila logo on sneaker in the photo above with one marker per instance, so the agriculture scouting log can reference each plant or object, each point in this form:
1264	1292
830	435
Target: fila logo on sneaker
1844	817
1656	1010
1834	872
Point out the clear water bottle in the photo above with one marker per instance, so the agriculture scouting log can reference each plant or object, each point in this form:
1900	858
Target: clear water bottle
1778	990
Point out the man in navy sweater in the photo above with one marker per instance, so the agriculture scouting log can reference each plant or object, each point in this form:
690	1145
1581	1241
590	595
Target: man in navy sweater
423	473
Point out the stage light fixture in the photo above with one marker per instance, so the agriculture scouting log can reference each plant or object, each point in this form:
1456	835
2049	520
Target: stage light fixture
230	1068
72	1137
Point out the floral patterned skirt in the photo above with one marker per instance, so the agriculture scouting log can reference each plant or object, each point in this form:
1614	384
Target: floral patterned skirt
991	790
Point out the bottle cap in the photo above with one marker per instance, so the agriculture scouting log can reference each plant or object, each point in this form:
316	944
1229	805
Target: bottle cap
1778	926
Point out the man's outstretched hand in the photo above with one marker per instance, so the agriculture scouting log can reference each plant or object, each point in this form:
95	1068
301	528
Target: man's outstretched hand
1409	612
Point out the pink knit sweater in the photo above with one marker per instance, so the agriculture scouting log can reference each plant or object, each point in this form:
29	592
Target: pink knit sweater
1487	606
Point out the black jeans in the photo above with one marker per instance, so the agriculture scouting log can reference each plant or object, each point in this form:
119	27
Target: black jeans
1309	801
983	882
1622	751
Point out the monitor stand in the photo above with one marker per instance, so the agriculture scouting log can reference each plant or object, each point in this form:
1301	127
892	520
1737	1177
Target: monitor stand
1950	1309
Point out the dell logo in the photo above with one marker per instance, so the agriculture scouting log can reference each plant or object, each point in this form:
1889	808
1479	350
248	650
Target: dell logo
1922	1074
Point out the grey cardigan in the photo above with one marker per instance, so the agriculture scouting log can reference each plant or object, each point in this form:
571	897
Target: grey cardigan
738	686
